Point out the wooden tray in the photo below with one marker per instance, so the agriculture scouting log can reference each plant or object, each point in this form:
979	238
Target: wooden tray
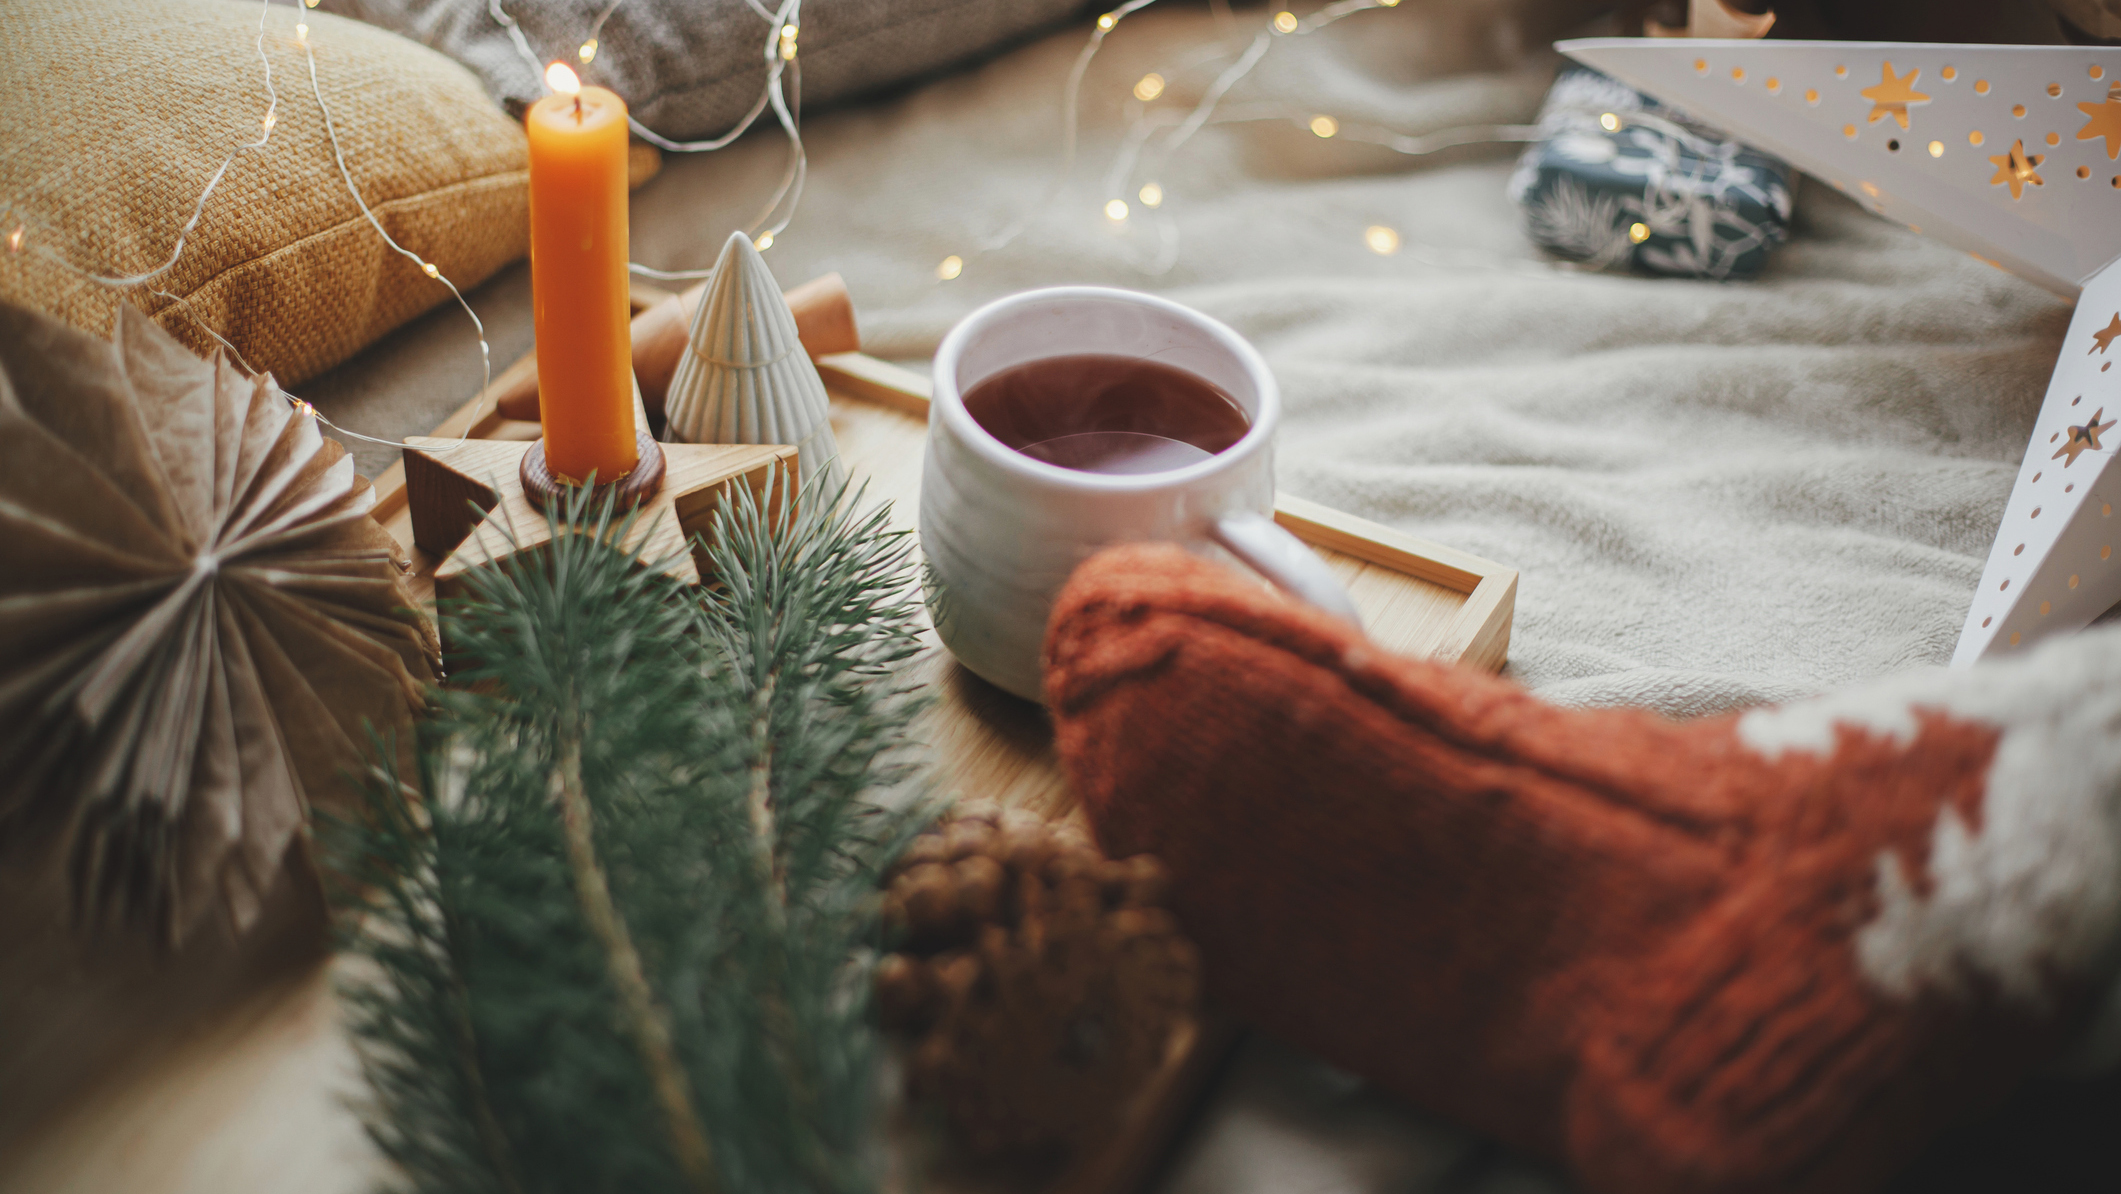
254	1095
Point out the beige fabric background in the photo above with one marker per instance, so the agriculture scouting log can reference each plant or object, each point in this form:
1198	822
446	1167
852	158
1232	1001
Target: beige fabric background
119	111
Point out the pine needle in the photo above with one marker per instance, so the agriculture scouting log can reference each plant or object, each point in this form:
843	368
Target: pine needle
622	941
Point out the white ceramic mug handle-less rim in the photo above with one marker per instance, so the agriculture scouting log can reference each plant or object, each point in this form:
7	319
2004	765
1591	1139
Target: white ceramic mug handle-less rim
1285	560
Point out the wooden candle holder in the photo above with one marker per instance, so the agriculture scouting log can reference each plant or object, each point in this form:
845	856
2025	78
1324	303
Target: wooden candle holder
477	501
542	487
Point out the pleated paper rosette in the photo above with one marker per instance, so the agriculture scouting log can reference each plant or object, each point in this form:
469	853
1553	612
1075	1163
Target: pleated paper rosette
200	624
744	378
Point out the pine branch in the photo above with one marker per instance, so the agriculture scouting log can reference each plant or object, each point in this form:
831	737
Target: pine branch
639	1010
623	944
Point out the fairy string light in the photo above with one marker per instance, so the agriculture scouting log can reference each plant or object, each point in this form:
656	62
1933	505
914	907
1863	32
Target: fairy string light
1151	194
1071	100
1156	135
782	94
1153	138
301	406
338	153
266	122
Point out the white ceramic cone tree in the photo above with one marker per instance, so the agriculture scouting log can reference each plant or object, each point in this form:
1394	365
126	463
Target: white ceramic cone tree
744	377
2012	153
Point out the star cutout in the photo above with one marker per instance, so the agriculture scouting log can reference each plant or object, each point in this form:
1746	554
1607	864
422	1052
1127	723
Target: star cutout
1892	96
442	483
2106	335
2083	438
2016	169
2105	122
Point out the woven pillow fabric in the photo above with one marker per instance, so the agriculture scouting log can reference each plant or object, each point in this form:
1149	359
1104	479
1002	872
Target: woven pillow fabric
692	68
120	111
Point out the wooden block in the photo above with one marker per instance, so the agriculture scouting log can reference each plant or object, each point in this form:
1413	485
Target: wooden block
446	500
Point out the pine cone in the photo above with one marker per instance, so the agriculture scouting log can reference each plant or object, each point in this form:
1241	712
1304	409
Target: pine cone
1038	982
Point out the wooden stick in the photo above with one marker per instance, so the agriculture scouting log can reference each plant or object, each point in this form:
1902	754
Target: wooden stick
824	320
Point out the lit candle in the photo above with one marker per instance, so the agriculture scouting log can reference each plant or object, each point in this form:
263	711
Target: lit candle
578	278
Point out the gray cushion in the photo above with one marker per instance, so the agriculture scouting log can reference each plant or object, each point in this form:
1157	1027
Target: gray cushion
692	68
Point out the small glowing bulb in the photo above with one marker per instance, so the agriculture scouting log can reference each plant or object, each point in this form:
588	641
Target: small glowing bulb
1152	195
1116	210
1285	22
1609	122
563	80
302	34
271	119
1388	3
1324	126
788	43
1151	86
588	52
310	3
1936	149
950	267
1638	232
1383	241
428	268
14	239
1106	22
765	242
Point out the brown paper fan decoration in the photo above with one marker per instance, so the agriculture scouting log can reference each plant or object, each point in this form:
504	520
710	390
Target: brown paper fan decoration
199	622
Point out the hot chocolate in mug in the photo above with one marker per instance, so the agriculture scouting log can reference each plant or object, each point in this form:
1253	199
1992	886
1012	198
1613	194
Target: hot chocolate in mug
1002	527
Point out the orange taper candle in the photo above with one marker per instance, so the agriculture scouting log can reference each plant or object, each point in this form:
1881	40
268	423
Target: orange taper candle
578	278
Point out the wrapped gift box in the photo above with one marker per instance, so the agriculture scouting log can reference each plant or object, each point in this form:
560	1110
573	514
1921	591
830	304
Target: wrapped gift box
1620	179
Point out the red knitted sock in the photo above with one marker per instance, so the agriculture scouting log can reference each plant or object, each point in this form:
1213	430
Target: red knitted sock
1772	951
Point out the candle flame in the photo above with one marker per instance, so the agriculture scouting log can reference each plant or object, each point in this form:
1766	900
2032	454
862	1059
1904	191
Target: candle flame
563	80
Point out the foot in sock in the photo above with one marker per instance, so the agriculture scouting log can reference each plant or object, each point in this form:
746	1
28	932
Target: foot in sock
1772	951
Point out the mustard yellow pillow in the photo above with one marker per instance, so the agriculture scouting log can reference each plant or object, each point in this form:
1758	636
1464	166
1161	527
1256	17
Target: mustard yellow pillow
117	112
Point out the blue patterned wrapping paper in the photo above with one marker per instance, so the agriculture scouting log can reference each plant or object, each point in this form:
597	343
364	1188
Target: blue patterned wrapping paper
1712	208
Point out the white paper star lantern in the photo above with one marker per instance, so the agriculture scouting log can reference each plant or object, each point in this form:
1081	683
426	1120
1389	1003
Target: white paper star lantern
2053	567
2012	153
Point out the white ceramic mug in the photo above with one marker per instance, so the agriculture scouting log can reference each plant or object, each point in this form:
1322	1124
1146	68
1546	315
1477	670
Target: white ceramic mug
1002	531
